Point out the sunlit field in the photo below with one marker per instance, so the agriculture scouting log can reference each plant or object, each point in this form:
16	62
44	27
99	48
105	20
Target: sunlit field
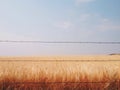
60	73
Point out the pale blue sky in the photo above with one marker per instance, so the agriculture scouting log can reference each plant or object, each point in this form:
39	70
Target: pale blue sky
59	20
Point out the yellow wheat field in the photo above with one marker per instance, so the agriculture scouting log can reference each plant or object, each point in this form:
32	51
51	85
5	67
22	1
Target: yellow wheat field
60	73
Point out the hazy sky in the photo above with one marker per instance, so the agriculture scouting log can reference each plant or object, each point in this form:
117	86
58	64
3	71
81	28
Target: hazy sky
59	20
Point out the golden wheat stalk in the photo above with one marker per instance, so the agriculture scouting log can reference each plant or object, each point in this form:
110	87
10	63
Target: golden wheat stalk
60	73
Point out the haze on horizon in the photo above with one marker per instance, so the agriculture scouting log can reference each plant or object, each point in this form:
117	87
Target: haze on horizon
59	20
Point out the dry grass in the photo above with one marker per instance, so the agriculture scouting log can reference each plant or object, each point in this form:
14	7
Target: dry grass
23	74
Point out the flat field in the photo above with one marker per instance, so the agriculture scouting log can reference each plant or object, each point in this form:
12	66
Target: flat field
60	73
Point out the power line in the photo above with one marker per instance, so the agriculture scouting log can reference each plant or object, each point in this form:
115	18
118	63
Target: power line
38	83
59	42
60	60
